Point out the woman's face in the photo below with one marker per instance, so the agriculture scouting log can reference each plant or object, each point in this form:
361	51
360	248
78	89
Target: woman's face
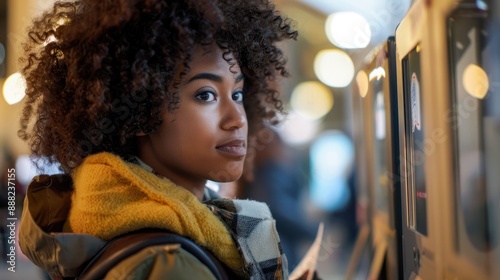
206	136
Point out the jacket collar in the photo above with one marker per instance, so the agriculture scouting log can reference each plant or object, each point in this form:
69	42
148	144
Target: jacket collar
46	207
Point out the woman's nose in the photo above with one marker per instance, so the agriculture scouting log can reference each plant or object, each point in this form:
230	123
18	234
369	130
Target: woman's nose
234	116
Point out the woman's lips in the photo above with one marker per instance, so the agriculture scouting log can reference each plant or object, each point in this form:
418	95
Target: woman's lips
234	147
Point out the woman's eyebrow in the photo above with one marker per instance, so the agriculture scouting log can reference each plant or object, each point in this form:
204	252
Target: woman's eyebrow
239	78
213	77
206	76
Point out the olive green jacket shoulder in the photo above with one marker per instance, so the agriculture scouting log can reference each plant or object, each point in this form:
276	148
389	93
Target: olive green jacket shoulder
62	254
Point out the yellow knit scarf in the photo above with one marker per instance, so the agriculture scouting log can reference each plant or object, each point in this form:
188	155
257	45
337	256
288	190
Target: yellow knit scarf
113	197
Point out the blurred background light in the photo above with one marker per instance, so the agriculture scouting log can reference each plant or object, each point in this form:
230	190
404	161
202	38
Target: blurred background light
14	88
379	116
215	186
348	30
297	130
312	100
475	81
27	169
378	73
332	157
362	81
334	68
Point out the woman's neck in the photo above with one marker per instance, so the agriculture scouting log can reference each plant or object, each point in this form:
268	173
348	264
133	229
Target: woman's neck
196	188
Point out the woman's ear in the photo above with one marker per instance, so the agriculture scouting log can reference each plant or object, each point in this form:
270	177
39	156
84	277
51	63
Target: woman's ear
140	133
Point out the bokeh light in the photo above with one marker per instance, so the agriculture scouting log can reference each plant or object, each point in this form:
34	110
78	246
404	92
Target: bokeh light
312	100
14	88
334	68
362	81
348	30
297	130
332	157
475	81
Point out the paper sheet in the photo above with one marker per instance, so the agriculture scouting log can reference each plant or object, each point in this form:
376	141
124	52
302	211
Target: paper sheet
308	263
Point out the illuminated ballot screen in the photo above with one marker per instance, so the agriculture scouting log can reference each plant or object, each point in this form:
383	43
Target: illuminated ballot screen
475	123
415	142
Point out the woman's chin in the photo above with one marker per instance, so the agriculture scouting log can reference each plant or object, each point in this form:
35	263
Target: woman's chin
226	178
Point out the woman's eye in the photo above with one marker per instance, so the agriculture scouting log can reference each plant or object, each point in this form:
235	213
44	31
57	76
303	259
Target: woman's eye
238	96
206	96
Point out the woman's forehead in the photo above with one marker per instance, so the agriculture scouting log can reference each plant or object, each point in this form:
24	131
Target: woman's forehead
212	59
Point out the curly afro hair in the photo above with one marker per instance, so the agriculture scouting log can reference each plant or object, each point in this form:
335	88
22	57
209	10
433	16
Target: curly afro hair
98	71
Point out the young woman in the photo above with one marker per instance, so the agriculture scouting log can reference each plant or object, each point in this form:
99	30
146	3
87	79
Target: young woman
141	102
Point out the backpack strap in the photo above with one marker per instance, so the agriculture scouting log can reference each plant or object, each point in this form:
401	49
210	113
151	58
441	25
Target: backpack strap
121	247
